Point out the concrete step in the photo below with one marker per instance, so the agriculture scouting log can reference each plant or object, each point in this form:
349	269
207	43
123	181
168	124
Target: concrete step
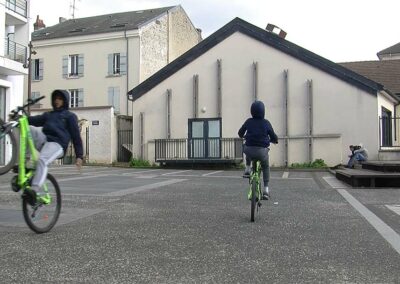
368	178
382	166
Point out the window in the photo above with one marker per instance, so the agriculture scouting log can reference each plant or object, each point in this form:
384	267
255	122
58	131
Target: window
37	69
72	66
76	98
35	95
116	64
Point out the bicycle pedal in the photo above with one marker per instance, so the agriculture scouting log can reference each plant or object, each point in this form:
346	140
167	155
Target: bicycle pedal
29	196
14	184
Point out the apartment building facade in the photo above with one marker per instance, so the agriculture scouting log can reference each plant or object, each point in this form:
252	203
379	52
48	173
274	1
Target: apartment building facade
14	30
99	59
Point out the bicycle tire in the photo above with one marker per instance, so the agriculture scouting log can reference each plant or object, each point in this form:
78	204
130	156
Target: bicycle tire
253	199
39	220
6	163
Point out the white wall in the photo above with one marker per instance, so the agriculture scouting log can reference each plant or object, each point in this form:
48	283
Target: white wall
339	108
102	137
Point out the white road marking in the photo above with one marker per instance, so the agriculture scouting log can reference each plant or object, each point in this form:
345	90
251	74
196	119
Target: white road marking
394	208
285	175
176	172
208	174
143	187
382	228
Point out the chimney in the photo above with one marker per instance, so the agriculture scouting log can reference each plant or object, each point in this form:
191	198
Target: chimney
199	31
271	27
38	24
61	20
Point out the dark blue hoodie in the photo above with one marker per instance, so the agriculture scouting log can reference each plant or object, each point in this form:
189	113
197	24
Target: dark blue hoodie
60	125
256	130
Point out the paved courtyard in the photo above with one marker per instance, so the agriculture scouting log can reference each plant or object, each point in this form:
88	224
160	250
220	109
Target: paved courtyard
121	225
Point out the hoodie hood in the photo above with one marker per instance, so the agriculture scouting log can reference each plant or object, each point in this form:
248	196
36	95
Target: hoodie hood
257	109
64	94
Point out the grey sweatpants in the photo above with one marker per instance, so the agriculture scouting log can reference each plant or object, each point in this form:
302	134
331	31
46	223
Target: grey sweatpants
48	152
261	154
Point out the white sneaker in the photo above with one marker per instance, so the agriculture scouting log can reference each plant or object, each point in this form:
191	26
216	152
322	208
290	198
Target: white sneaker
266	195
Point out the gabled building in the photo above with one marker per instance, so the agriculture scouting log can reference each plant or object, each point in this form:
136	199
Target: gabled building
14	30
199	101
98	59
387	73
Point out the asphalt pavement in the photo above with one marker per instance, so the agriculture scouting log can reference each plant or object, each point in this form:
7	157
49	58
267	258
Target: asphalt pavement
123	225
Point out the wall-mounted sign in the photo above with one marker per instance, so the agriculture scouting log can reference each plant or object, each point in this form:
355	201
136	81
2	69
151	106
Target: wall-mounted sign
95	122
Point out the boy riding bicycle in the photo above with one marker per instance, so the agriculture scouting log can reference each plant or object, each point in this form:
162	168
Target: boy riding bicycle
258	133
59	127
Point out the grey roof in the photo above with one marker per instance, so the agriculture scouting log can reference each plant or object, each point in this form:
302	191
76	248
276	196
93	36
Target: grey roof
390	50
385	72
100	24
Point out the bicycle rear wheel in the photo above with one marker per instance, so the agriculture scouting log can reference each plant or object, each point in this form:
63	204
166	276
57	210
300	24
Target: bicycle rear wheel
254	200
40	218
8	149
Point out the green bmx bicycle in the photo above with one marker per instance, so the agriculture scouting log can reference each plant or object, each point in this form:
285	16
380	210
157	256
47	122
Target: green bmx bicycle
255	192
40	212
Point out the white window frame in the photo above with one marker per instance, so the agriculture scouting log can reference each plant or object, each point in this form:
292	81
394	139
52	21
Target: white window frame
74	98
116	63
73	63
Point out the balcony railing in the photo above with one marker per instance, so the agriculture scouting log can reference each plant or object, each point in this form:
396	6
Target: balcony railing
15	51
17	6
200	149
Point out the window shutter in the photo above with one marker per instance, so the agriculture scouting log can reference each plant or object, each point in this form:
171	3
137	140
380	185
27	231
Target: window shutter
80	98
110	96
122	63
40	69
33	63
80	65
65	66
110	64
116	100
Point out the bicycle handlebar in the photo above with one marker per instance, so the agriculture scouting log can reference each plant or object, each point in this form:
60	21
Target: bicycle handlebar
14	113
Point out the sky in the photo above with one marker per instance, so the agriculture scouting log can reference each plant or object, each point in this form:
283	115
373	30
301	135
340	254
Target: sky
339	30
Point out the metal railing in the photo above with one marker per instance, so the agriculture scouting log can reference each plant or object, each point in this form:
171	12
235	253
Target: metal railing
15	51
17	6
389	129
198	149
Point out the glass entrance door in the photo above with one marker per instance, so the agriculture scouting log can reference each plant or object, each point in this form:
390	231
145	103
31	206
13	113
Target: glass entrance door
204	138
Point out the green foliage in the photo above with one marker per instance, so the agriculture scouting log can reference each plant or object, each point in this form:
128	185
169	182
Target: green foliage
139	163
318	163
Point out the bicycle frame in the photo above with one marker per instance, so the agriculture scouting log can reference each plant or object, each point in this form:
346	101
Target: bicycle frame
255	175
25	140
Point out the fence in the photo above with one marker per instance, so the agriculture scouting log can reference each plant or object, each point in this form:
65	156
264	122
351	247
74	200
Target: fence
17	6
15	51
198	149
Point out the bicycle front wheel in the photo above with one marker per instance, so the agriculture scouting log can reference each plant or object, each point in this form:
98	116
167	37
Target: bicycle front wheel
8	149
40	217
254	188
